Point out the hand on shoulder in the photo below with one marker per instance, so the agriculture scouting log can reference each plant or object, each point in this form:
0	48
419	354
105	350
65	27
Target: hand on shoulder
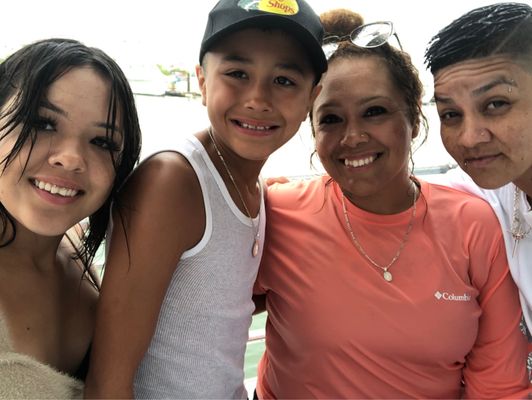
277	179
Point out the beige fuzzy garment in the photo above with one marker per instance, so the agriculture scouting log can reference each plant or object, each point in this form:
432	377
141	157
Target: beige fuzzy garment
22	377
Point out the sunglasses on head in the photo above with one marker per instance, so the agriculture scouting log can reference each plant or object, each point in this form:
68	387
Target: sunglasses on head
368	36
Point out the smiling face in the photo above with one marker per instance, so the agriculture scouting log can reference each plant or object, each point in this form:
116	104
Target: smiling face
362	131
69	173
485	108
258	87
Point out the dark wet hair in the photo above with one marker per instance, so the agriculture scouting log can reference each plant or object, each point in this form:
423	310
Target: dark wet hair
497	29
25	77
341	22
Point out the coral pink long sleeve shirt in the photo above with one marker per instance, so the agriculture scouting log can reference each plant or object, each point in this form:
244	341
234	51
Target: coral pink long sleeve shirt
337	329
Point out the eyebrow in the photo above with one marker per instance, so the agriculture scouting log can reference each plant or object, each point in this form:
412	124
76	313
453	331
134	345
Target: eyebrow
481	90
443	100
363	102
496	82
329	104
52	107
290	66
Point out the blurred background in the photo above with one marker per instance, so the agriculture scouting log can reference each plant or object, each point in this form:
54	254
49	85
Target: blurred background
157	42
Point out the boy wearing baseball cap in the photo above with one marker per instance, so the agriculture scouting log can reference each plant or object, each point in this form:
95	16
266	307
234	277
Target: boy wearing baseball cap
176	304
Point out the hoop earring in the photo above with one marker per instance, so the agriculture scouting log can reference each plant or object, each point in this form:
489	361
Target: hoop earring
313	155
411	161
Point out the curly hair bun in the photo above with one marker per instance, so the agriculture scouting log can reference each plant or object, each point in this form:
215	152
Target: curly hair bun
340	22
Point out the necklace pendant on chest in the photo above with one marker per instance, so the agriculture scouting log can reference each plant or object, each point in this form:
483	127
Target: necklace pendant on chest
256	244
387	275
255	247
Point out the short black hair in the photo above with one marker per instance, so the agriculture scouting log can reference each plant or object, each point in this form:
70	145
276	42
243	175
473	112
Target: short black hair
497	29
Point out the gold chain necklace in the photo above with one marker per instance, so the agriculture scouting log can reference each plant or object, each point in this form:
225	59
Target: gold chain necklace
256	234
517	230
387	275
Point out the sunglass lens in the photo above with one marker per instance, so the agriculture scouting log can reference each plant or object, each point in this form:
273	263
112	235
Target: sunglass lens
372	35
329	49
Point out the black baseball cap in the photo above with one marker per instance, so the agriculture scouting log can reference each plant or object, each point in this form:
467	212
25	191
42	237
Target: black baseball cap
293	16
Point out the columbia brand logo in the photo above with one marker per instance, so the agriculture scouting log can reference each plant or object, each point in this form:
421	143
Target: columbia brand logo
445	296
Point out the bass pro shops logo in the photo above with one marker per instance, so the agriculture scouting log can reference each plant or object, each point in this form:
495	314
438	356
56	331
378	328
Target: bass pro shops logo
445	296
282	7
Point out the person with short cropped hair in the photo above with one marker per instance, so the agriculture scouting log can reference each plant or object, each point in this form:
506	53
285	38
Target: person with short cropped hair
482	67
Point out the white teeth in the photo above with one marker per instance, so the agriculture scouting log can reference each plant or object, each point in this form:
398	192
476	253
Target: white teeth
48	187
64	192
255	127
359	163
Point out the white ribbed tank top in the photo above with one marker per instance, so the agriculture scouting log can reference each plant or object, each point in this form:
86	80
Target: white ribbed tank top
198	347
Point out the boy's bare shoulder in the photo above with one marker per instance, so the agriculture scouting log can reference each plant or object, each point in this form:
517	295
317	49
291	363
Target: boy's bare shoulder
164	194
164	175
165	166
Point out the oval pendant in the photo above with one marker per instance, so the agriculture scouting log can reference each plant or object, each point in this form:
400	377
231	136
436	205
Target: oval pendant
387	276
255	248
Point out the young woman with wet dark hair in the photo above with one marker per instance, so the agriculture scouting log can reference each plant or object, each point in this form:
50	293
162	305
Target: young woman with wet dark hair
69	137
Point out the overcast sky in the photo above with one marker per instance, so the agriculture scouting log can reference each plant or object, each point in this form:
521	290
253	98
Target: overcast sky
141	34
169	31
